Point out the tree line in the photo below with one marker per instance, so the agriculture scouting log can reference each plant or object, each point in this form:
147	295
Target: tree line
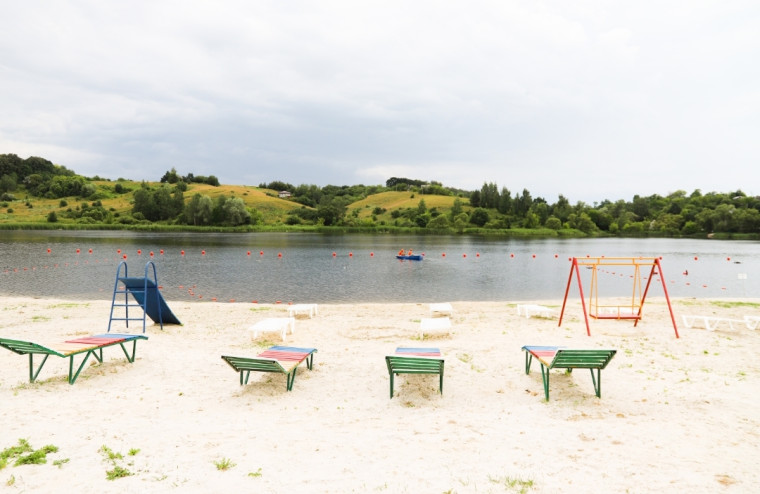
491	208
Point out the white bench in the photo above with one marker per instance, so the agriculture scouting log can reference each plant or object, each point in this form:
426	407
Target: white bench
752	321
308	309
529	310
274	324
434	324
444	308
711	323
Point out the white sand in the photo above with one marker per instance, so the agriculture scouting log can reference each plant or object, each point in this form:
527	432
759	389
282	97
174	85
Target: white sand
674	415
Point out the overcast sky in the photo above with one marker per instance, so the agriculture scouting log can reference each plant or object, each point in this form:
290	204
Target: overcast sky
592	99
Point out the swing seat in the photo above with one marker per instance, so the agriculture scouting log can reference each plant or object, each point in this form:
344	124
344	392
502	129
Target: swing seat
616	312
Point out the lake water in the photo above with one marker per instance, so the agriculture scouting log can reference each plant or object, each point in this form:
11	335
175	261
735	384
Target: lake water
318	268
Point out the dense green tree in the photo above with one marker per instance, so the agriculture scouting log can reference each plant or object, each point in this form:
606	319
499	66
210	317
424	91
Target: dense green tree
8	183
479	216
456	209
236	212
421	207
553	223
171	177
505	201
199	210
439	222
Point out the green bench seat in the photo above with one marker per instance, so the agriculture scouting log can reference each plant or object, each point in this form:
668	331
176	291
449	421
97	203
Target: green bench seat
552	357
415	361
89	346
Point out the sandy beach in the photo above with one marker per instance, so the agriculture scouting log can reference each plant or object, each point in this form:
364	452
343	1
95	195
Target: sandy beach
675	414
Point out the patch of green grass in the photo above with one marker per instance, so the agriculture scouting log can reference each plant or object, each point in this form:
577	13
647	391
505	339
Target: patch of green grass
511	483
731	305
40	318
117	472
255	474
60	463
133	451
114	457
18	453
11	480
224	464
37	457
67	305
14	451
110	454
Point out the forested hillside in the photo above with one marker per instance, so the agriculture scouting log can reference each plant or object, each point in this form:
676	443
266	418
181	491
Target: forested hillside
35	193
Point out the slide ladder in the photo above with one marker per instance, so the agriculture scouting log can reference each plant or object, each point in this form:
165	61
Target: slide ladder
145	296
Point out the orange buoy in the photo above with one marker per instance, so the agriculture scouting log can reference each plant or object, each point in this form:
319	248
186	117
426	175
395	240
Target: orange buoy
77	251
261	252
464	255
90	251
203	252
511	255
556	256
48	251
279	254
139	252
534	256
124	257
334	254
371	254
350	254
161	252
477	254
118	251
696	258
443	255
151	253
182	252
249	253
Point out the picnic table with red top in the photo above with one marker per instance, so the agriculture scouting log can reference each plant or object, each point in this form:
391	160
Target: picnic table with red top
545	354
278	359
89	345
289	356
557	357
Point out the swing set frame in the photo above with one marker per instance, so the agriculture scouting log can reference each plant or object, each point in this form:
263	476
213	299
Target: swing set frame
632	311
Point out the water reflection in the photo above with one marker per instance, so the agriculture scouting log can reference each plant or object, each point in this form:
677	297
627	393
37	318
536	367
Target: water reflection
270	267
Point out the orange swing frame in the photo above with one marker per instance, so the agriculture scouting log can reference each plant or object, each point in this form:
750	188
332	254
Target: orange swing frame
635	309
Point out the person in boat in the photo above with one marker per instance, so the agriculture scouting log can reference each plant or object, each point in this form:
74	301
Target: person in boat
401	252
409	253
